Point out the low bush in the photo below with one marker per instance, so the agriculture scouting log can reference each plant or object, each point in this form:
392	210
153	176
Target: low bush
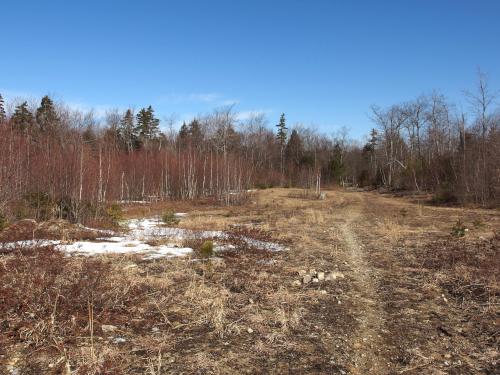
458	229
115	212
3	221
207	249
263	186
169	218
444	197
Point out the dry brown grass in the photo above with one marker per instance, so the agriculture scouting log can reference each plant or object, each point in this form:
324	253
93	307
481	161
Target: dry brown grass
242	314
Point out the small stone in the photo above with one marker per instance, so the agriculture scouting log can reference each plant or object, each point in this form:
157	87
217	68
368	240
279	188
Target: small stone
296	283
250	300
155	329
447	356
315	280
119	340
108	328
334	276
250	330
302	273
323	291
321	276
138	351
307	279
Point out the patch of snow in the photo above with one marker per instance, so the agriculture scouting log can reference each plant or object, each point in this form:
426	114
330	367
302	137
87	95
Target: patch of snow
27	244
141	231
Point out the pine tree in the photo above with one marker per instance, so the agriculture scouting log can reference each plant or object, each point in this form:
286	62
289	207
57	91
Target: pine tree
46	116
22	119
3	116
281	135
127	131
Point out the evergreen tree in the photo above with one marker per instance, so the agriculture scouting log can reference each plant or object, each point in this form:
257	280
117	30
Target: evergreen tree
22	119
195	133
148	127
46	116
281	135
127	131
183	136
3	116
336	164
294	149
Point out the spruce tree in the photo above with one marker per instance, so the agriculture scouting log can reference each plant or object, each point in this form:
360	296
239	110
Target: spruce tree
336	163
22	119
3	116
183	136
46	116
148	127
281	135
195	133
127	131
294	149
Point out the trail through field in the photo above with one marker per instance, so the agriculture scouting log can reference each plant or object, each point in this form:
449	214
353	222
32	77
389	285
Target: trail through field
366	341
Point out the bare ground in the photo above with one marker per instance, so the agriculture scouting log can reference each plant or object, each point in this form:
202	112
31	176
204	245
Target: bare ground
415	299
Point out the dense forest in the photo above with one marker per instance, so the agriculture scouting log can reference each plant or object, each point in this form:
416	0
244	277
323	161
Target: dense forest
59	162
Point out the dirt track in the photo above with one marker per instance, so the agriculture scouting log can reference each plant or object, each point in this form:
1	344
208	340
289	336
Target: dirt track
396	317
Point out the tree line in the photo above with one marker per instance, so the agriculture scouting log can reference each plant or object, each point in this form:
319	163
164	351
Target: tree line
428	145
59	162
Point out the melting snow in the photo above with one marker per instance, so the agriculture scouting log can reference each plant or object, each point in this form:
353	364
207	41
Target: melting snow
135	241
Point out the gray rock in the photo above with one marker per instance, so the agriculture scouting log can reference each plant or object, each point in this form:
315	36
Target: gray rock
315	280
108	328
334	275
306	279
321	276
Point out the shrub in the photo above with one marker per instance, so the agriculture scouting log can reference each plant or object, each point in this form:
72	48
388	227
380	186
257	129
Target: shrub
459	229
3	221
41	204
263	186
207	249
478	223
115	212
169	218
444	197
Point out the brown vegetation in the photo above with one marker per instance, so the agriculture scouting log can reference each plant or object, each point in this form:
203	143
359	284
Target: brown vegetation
415	298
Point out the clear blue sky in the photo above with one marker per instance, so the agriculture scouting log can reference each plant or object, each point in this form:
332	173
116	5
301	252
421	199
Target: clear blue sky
321	62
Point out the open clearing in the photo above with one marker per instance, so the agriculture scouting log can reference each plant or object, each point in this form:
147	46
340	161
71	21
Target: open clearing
408	296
